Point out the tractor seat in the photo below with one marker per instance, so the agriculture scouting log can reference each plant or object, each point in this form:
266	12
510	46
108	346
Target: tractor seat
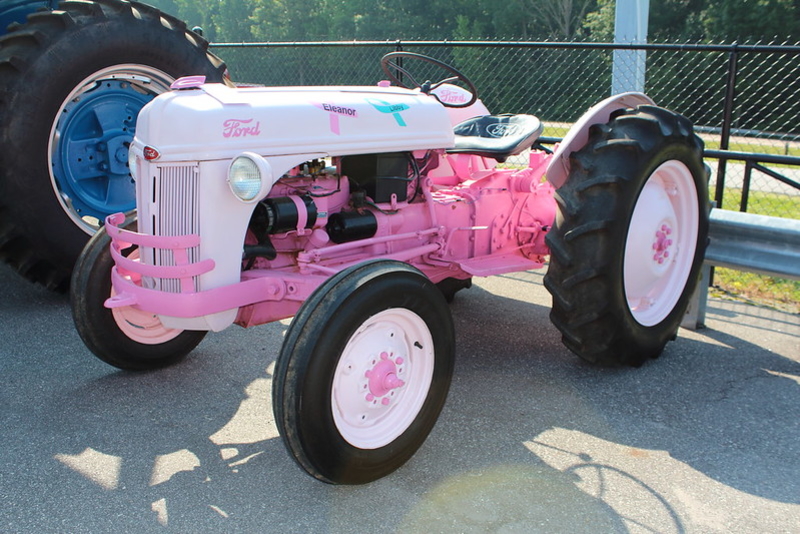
496	136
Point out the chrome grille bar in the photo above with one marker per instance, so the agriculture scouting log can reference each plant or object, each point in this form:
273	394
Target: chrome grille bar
174	211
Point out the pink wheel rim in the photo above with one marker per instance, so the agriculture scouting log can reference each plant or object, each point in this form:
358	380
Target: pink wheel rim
661	243
142	327
382	379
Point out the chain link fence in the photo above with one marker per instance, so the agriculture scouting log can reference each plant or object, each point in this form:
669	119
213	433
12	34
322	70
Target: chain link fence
744	100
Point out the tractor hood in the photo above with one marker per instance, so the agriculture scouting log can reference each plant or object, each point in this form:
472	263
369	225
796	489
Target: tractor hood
214	122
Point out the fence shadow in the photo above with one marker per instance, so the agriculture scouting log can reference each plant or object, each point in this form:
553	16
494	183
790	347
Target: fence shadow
530	437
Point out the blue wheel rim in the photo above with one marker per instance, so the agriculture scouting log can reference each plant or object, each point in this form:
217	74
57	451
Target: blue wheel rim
90	140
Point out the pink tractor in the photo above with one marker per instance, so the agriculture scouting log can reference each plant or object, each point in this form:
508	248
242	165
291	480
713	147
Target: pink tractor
360	211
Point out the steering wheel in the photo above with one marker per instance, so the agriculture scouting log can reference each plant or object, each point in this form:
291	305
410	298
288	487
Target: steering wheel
390	67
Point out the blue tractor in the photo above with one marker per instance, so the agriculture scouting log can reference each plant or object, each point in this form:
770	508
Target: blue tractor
73	77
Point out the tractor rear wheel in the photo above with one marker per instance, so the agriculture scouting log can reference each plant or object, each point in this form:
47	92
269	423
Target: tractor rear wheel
72	82
629	237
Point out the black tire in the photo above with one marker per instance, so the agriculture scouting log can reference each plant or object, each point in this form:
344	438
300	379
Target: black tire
336	321
42	66
97	326
609	315
450	286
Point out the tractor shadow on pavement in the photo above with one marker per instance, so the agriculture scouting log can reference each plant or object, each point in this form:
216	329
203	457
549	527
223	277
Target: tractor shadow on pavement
531	438
713	420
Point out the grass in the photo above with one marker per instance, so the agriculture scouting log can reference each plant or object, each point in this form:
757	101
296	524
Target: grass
551	130
764	203
757	289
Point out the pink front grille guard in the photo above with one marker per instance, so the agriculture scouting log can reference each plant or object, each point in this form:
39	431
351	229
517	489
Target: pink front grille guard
283	291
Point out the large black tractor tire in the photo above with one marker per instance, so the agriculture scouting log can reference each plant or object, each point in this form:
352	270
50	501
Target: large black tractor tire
629	237
71	84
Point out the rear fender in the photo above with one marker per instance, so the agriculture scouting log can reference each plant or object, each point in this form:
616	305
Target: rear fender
600	113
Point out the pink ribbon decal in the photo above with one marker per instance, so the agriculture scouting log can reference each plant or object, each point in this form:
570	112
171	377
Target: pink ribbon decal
336	112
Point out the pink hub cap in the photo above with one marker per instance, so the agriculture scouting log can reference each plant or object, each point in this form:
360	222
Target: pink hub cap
662	244
382	378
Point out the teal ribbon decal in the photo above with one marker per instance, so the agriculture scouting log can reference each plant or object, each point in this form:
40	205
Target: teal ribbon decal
386	107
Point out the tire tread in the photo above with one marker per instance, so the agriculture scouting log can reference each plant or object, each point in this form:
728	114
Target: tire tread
584	277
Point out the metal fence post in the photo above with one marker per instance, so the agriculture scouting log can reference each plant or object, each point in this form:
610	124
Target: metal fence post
727	120
630	26
398	47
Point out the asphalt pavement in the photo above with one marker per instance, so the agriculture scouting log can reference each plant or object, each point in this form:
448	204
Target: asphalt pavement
701	440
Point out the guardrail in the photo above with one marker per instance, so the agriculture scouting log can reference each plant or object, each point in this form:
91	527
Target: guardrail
754	243
746	242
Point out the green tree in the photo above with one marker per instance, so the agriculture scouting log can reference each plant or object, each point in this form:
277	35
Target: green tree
709	20
669	20
600	22
563	17
232	20
290	20
750	19
532	19
676	20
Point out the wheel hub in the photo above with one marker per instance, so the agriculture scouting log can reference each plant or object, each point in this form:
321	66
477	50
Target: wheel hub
650	249
90	163
90	137
661	243
382	379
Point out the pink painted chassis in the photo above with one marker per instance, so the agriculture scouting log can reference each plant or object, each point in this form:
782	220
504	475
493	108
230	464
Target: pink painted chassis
469	218
429	237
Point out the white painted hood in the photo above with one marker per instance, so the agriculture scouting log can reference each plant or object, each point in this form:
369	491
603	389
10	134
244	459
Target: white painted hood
213	122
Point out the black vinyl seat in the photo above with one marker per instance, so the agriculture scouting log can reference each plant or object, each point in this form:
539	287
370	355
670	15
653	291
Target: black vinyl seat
496	136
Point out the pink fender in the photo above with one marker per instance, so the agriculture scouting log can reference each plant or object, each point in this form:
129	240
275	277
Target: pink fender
576	138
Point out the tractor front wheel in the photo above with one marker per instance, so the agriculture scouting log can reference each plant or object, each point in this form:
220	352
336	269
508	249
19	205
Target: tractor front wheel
124	337
364	372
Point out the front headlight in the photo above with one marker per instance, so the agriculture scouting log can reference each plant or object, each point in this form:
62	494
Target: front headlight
248	175
132	162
